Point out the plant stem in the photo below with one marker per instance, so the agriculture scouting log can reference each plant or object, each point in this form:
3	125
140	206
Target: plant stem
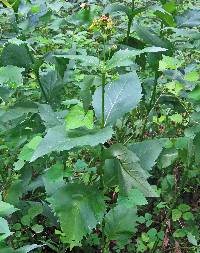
103	99
130	20
152	102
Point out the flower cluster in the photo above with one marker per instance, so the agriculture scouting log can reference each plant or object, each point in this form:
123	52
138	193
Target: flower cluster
103	24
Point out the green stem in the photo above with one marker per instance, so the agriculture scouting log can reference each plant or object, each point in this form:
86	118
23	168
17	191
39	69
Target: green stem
103	99
41	87
130	20
152	101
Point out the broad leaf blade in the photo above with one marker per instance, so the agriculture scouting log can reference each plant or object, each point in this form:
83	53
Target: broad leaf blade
58	139
121	96
123	58
129	172
120	223
148	151
79	208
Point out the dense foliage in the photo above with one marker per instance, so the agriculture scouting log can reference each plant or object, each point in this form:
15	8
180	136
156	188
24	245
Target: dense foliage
99	126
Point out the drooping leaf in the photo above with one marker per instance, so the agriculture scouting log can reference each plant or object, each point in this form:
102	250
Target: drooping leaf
84	207
148	151
164	15
76	118
59	139
121	96
129	174
151	38
125	57
52	84
85	92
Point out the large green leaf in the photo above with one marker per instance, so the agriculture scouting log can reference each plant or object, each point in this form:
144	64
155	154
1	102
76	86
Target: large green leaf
121	96
128	172
151	38
125	57
52	84
120	223
79	209
59	139
49	117
164	15
148	151
190	18
11	75
16	55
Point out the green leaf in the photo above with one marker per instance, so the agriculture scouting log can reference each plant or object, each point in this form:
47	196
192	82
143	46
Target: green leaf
179	233
4	229
184	208
148	151
52	84
192	76
188	216
165	16
37	228
84	207
120	224
149	37
168	157
85	92
27	248
86	60
129	173
53	178
121	96
169	63
49	117
134	198
11	75
16	55
190	18
76	118
35	210
27	152
6	209
176	214
126	57
58	139
117	7
195	93
191	238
